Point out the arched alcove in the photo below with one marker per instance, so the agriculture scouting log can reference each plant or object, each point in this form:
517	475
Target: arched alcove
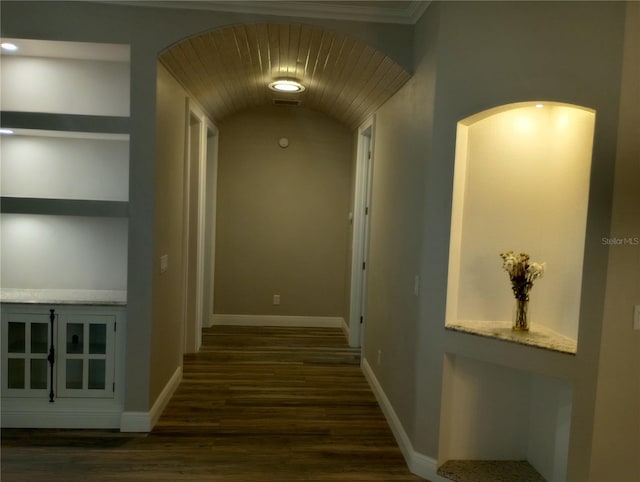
521	183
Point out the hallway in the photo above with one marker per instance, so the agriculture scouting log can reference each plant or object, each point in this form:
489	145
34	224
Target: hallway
256	404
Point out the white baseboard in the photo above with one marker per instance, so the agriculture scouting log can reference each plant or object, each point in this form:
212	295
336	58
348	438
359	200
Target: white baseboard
145	421
276	320
345	328
63	413
420	464
135	422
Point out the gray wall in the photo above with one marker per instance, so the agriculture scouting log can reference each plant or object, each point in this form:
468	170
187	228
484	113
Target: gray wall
479	55
282	220
616	440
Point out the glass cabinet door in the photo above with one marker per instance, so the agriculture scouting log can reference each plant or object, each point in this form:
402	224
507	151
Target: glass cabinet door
26	341
87	368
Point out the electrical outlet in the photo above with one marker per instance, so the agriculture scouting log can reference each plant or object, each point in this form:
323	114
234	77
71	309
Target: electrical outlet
276	299
636	318
379	356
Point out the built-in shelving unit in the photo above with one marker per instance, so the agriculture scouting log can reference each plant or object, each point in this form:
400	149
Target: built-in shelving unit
64	229
521	183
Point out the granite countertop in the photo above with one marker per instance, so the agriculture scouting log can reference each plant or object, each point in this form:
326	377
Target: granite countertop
538	335
63	297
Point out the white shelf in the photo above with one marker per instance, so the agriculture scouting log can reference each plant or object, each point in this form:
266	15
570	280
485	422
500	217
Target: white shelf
48	121
64	207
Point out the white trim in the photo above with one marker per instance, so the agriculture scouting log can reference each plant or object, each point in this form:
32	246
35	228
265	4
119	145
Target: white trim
135	422
63	413
408	15
165	395
359	243
420	464
144	421
345	329
276	320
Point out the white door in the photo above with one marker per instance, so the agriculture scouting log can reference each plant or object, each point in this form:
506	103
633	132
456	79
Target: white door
361	216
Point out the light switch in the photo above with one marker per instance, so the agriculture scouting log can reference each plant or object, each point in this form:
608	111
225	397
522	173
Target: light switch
164	263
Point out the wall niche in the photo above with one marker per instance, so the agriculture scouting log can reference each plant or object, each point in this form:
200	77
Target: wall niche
521	183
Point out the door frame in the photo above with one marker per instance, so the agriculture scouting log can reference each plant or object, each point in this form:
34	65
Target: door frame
196	133
361	221
209	220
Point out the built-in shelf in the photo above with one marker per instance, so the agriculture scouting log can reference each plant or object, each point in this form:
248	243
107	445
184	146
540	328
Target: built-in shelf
64	297
65	122
538	335
503	157
64	207
64	226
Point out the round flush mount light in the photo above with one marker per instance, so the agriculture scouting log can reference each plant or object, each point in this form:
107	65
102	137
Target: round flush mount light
539	106
8	46
286	85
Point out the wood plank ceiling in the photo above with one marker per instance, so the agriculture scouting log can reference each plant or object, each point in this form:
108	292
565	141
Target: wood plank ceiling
228	70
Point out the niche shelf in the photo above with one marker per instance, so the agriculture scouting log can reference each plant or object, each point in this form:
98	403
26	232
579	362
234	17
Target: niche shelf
538	336
521	183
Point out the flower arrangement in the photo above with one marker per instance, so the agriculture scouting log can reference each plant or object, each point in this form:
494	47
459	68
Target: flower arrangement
522	273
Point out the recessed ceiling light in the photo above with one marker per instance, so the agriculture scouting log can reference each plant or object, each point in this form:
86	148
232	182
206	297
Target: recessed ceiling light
539	106
9	46
285	85
6	131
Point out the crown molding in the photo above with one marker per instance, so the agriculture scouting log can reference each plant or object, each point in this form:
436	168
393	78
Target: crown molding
362	11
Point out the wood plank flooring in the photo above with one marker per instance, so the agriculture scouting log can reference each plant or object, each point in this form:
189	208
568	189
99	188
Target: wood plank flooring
257	404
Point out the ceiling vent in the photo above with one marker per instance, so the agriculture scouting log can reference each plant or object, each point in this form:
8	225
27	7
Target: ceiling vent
286	102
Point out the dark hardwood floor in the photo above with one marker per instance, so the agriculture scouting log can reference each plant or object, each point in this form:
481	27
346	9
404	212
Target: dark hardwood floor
256	404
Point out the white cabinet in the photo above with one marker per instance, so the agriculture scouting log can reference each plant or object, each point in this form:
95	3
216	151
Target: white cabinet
26	339
87	349
86	344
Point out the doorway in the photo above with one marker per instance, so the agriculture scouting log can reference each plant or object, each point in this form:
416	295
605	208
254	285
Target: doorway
360	245
200	179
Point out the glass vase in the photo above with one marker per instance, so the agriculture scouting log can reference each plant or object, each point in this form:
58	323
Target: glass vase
521	315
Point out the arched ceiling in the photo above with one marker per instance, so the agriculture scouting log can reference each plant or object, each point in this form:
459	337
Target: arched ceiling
228	70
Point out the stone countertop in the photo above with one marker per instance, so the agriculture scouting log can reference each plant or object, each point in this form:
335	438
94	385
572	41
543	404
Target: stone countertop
538	335
63	297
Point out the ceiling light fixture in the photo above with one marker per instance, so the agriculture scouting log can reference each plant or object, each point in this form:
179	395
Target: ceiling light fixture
9	47
286	85
539	106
